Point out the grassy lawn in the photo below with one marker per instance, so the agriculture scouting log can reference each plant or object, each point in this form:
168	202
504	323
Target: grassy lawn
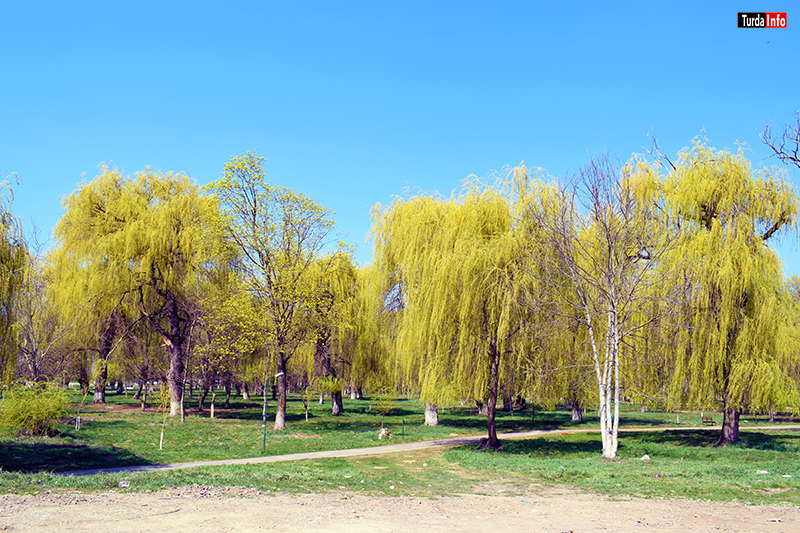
683	462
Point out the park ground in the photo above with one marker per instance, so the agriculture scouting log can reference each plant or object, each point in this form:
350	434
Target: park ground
489	509
556	482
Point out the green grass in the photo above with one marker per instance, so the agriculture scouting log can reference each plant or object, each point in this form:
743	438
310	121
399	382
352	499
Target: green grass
683	463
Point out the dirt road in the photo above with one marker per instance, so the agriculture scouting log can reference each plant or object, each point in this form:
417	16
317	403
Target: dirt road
206	509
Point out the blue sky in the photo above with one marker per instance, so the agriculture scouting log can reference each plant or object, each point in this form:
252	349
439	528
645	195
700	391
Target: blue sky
352	102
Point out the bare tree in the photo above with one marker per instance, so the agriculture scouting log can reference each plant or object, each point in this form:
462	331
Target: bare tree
786	145
605	241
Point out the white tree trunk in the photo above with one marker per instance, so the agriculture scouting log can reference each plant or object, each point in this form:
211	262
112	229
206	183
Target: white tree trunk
431	414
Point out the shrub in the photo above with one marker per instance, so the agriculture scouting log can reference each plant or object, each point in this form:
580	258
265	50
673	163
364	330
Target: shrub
32	409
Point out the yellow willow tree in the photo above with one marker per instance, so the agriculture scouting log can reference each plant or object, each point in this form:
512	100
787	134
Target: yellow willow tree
456	263
734	357
332	325
13	260
599	258
134	246
278	235
373	316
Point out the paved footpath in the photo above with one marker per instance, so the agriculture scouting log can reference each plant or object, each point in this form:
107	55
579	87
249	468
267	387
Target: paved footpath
377	450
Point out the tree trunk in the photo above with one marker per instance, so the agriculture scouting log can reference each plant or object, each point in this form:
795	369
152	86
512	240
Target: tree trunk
730	427
245	391
213	399
508	403
203	395
519	403
106	346
431	414
321	398
494	375
280	409
227	394
577	411
483	410
120	387
771	415
139	391
144	399
337	407
83	380
175	378
100	384
353	393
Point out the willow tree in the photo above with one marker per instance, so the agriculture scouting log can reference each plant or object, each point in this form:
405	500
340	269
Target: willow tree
41	328
731	215
332	334
132	247
601	246
13	258
456	263
278	234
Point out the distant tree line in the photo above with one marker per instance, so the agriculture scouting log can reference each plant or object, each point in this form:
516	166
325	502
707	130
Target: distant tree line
650	281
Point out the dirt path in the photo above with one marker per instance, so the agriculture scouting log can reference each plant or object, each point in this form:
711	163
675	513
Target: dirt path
377	450
207	509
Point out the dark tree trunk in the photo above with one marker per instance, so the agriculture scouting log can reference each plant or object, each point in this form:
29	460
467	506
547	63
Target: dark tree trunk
730	427
120	387
203	395
106	345
483	410
508	403
139	391
431	414
245	391
83	380
280	398
337	407
771	415
227	394
175	334
493	442
519	403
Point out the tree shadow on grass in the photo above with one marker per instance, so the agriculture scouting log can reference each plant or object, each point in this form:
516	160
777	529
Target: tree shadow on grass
35	456
544	447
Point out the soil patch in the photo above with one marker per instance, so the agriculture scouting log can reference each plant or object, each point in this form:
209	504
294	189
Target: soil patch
238	509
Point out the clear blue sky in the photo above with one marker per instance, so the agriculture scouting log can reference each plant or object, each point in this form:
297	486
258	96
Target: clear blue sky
351	102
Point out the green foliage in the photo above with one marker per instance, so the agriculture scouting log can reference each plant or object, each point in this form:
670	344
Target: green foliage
278	236
13	260
32	410
731	214
131	249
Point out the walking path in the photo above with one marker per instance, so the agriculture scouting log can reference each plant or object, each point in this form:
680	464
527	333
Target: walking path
377	450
